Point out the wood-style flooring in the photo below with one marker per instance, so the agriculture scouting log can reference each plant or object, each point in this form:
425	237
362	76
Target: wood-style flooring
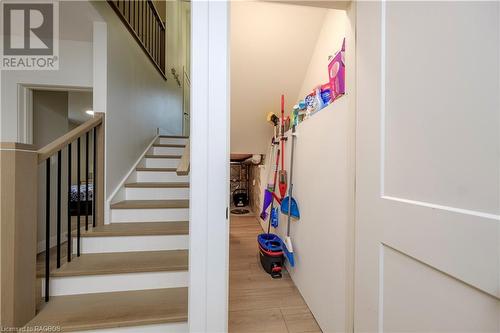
258	303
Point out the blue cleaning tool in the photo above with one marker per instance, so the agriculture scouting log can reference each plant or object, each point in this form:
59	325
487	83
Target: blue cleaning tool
275	217
294	207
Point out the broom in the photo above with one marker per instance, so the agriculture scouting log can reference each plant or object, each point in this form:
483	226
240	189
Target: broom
288	248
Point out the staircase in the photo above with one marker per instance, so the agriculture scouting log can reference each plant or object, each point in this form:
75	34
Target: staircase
132	275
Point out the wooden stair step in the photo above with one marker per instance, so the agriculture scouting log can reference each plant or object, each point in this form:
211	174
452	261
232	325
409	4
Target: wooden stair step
123	262
168	145
150	204
174	137
114	309
157	185
162	156
156	169
139	229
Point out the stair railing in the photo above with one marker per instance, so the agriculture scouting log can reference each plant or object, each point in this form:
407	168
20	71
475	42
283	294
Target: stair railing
144	23
95	128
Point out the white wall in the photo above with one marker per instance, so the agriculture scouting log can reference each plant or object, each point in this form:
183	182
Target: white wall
271	48
138	100
323	186
329	41
75	70
75	65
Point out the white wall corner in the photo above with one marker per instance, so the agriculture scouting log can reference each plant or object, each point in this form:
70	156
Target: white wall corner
209	227
100	61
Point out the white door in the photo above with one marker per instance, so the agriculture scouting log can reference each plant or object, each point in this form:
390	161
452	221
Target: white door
428	174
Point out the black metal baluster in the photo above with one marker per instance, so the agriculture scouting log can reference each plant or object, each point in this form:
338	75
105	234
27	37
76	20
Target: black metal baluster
94	186
59	162
87	181
150	31
47	229
70	239
128	2
78	180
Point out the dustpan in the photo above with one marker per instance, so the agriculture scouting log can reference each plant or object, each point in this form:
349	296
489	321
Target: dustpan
294	207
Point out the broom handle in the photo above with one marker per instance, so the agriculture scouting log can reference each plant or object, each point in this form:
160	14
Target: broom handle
290	189
283	132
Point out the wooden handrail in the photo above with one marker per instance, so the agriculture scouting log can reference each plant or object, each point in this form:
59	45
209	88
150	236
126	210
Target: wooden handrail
61	142
183	168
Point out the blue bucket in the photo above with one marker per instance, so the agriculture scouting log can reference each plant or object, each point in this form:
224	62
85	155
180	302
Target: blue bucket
270	242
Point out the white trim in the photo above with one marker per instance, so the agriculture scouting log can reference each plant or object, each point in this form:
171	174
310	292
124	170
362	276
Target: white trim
381	288
382	96
25	106
25	114
121	185
447	208
208	227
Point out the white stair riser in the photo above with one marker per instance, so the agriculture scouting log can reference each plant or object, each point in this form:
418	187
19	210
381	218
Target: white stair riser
132	243
161	162
89	284
168	150
179	193
173	141
149	215
160	176
181	327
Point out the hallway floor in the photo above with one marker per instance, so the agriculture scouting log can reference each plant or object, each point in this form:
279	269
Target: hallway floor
258	303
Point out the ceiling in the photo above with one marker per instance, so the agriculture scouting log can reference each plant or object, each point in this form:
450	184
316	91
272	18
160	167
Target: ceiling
271	47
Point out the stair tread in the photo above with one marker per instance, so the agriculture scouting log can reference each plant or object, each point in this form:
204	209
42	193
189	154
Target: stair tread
123	262
114	309
156	169
139	229
168	145
150	204
157	185
162	156
174	137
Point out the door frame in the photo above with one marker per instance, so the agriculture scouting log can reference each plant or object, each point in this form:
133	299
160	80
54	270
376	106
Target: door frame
25	106
209	175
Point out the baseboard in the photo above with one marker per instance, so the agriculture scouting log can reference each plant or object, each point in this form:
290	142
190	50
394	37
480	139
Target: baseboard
121	185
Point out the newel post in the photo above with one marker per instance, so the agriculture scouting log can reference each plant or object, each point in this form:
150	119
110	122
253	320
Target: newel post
18	233
100	196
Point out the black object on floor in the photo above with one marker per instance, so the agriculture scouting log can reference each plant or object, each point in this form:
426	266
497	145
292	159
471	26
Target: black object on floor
240	197
239	211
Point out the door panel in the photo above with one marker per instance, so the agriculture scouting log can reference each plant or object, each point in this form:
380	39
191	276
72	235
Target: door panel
427	168
441	85
408	279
